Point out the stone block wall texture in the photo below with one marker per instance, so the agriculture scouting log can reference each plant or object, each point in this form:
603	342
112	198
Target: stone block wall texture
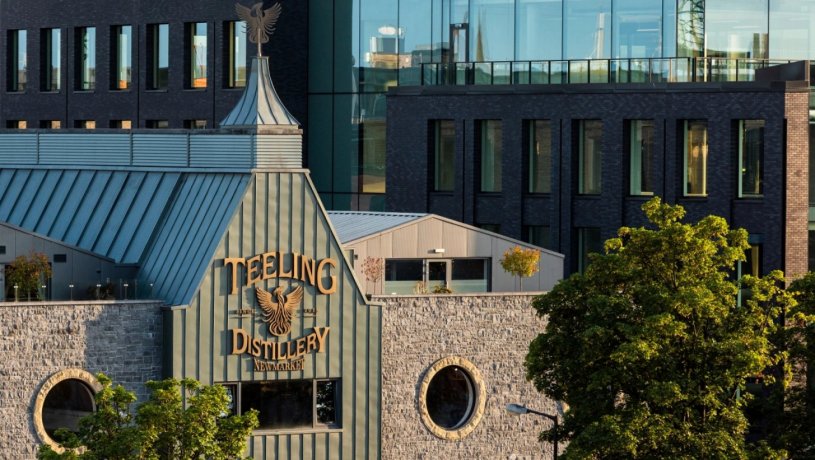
121	339
493	331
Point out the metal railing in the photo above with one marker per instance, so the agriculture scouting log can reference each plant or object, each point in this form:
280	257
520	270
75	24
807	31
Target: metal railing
635	70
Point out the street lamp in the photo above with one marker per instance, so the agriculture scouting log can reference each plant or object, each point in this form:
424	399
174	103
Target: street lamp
517	409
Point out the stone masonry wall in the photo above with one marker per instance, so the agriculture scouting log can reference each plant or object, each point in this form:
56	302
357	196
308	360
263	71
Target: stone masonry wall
493	331
37	340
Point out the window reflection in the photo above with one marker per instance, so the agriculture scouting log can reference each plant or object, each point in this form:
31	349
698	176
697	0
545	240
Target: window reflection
160	59
492	30
590	134
637	29
751	157
86	57
491	148
690	23
641	150
736	29
539	22
540	156
123	58
444	155
52	59
587	32
696	157
791	26
197	48
237	54
18	59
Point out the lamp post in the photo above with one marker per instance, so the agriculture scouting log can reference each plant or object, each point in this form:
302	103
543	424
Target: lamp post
518	409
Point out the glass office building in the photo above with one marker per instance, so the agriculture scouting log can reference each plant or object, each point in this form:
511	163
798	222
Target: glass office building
360	48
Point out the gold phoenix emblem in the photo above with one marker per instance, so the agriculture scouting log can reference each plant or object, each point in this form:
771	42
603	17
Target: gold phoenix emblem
278	308
261	24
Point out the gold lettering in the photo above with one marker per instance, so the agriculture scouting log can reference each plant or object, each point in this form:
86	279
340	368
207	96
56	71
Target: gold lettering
236	333
307	269
252	275
295	265
321	333
234	262
255	347
312	342
268	262
301	346
333	287
283	272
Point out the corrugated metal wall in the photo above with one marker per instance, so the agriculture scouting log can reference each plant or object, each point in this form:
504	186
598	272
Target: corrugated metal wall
281	212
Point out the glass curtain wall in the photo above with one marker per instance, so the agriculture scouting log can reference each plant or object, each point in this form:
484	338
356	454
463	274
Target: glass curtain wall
792	28
122	57
538	22
587	29
86	58
637	29
736	29
690	28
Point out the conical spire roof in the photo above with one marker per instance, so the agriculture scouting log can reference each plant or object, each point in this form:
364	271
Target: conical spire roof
260	107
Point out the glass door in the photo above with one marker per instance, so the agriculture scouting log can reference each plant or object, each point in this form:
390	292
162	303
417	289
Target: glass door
438	274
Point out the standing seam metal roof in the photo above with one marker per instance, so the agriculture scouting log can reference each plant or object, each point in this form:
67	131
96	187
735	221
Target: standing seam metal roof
353	225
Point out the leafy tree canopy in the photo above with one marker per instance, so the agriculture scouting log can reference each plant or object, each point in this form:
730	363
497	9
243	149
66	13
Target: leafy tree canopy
164	426
649	347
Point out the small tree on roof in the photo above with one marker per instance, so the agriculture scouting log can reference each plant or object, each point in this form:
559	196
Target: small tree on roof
520	262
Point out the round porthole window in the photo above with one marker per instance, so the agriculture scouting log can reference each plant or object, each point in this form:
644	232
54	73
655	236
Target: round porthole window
452	398
62	401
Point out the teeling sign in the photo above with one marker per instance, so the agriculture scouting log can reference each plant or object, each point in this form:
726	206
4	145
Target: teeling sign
275	265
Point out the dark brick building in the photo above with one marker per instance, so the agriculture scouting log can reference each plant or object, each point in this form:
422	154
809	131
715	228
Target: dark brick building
574	221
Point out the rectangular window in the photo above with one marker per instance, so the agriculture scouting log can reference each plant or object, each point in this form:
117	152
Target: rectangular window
18	60
402	276
588	242
444	155
85	124
494	228
195	124
159	46
86	58
121	124
590	136
695	140
491	147
539	235
60	258
16	124
751	157
236	33
122	55
157	124
289	404
540	156
372	135
50	124
469	275
641	155
197	49
51	59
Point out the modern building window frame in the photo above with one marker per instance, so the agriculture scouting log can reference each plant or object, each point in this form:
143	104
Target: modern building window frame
695	156
443	155
235	390
85	53
751	158
159	59
17	60
641	157
588	241
51	49
236	50
121	57
490	155
539	156
590	157
197	54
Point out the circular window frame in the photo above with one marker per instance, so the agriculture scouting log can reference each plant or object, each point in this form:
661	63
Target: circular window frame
477	407
68	374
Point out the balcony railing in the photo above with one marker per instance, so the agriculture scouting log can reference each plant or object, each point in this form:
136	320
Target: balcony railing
657	70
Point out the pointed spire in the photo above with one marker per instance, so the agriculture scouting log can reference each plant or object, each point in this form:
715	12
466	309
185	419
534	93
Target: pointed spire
260	108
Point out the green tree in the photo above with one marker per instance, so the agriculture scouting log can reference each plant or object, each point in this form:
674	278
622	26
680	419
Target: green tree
519	262
28	273
164	426
649	348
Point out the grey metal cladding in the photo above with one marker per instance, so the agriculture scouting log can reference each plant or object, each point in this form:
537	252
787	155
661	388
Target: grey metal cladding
110	213
18	149
96	149
216	150
189	232
168	150
353	225
259	105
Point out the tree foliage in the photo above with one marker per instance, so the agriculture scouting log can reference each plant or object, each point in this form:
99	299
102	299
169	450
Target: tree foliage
520	262
28	273
164	427
649	347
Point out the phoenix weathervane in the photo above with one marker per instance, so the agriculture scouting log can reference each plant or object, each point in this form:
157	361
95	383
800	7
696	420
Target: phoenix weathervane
261	23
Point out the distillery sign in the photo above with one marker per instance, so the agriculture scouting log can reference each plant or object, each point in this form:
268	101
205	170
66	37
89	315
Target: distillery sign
278	306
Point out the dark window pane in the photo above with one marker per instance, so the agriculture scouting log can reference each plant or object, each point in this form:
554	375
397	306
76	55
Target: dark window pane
590	157
403	270
491	148
444	155
540	156
469	269
696	157
450	398
65	404
122	57
327	395
281	404
641	151
751	157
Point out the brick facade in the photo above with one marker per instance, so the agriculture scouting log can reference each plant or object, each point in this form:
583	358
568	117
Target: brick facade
777	220
122	339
